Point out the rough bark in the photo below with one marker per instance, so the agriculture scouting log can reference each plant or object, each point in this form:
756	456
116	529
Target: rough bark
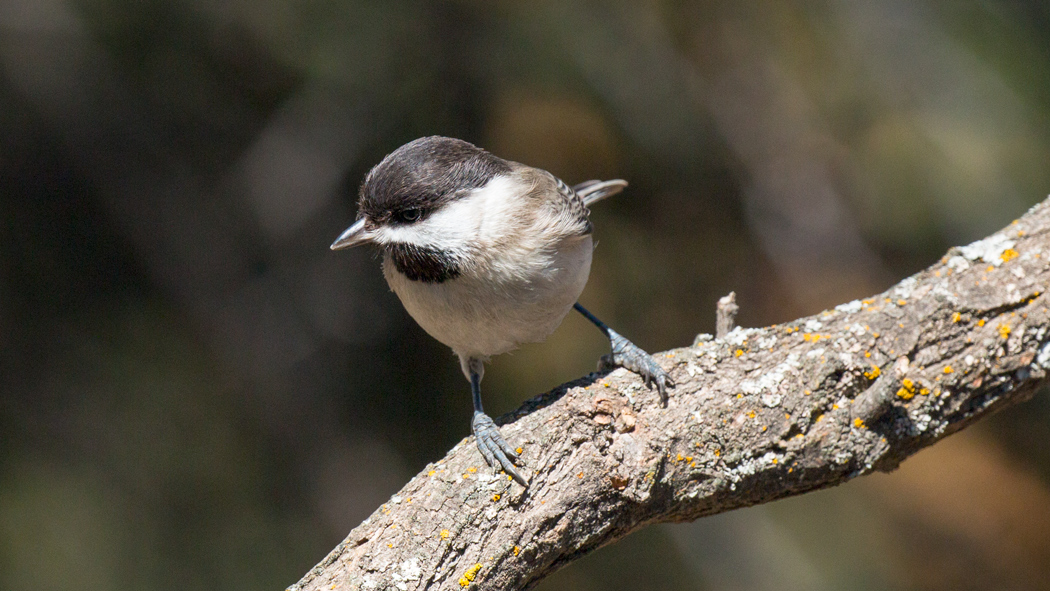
758	415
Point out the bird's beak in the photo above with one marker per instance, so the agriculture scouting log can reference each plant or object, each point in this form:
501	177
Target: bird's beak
354	235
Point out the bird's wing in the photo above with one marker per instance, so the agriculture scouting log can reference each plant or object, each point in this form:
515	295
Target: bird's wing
592	192
572	201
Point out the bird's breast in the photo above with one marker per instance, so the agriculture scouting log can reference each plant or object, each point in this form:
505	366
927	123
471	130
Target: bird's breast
500	299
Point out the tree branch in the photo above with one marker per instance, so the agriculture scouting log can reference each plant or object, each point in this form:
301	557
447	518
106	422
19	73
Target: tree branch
759	415
725	315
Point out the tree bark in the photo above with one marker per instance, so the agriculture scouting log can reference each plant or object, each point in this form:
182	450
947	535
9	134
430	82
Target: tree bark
758	415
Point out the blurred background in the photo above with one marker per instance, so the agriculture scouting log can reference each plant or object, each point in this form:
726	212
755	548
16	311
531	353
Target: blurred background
195	393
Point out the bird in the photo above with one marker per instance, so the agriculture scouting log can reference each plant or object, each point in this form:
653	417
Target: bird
486	254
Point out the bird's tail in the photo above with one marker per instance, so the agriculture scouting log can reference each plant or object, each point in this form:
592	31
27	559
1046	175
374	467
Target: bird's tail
594	191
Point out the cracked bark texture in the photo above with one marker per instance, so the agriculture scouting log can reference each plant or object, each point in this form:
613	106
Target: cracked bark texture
758	415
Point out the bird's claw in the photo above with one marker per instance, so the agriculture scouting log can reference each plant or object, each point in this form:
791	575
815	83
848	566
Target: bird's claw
496	451
629	356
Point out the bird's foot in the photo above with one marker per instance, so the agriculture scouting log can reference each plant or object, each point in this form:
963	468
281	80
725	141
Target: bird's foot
627	355
496	451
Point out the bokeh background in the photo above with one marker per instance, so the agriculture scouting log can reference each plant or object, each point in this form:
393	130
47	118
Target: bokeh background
196	394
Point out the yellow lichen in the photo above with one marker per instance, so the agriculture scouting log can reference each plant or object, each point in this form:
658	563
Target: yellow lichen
469	575
444	534
874	373
472	469
495	498
907	390
1008	254
519	450
738	352
902	302
1004	331
858	423
516	550
751	415
948	369
980	322
431	473
956	317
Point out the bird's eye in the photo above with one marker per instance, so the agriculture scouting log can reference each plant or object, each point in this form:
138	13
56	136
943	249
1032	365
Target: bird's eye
408	216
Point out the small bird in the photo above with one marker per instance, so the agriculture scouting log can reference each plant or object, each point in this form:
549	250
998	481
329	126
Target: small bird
485	254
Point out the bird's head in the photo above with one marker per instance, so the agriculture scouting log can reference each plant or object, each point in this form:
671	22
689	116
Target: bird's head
403	197
416	204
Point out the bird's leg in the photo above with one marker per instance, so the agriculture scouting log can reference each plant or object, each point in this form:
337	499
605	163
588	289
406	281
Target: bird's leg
493	447
630	356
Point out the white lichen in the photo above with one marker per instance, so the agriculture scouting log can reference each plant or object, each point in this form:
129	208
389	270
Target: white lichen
989	250
849	308
767	342
958	264
739	335
750	466
906	287
1043	358
409	571
770	380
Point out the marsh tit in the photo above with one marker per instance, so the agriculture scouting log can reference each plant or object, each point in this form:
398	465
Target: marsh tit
485	254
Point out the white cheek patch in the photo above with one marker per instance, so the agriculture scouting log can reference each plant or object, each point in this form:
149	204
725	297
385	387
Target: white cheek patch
474	220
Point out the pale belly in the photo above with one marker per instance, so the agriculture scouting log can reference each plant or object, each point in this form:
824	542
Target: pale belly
480	315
